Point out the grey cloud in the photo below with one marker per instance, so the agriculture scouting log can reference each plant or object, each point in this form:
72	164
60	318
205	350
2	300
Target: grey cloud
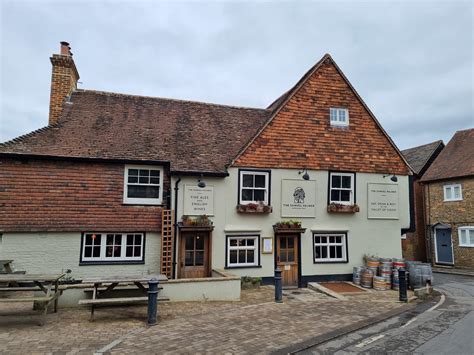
412	62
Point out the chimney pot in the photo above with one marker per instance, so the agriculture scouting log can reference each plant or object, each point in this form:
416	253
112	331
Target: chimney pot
65	49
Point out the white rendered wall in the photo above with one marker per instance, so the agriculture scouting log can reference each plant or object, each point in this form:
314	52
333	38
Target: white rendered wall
56	252
364	236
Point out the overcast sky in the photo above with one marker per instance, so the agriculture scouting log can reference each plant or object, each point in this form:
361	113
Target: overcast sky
412	62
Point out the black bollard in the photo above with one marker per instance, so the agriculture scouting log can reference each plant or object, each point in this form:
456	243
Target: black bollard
152	300
278	289
402	278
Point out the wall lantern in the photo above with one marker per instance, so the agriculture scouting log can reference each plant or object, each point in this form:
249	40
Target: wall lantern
201	183
305	175
393	178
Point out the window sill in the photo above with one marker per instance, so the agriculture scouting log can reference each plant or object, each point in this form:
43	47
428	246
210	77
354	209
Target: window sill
110	262
244	267
466	246
340	208
330	262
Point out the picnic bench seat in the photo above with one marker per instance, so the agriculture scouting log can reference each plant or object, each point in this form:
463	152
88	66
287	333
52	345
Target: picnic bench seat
117	288
27	299
34	288
106	301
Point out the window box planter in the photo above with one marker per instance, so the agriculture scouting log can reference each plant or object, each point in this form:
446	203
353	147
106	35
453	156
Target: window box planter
288	227
254	208
199	221
340	208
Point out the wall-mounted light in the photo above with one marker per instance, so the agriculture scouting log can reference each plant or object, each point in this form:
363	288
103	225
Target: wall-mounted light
305	175
201	183
393	178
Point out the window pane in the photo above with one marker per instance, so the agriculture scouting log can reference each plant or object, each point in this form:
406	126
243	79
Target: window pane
317	240
129	252
448	193
332	251
282	243
339	252
250	242
154	181
247	195
129	239
241	256
247	180
331	239
96	252
346	182
342	115
199	258
88	239
143	179
188	258
240	242
233	257
457	192
189	243
335	195
471	238
291	243
345	195
283	256
324	252
317	252
155	173
138	239
199	242
143	172
335	181
233	242
324	239
87	252
338	239
259	195
132	179
250	256
136	191
137	251
291	255
132	172
259	180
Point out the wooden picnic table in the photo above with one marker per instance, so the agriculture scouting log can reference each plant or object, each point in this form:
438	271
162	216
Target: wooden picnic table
112	282
43	282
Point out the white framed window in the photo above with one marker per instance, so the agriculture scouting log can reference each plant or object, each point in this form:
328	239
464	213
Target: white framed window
112	247
243	251
143	185
330	247
254	187
452	192
339	116
466	236
341	188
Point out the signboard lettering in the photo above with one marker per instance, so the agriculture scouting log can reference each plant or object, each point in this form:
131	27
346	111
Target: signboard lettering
198	201
382	201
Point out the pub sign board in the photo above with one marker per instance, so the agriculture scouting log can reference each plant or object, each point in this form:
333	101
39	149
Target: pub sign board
198	201
382	201
298	198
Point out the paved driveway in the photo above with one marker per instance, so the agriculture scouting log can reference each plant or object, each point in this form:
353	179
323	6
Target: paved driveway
254	325
448	329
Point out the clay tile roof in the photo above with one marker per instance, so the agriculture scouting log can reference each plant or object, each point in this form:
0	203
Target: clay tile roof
455	160
192	136
419	157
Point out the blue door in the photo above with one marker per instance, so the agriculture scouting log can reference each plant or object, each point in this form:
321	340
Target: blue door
444	250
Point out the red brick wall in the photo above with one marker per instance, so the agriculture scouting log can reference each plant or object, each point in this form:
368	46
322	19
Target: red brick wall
414	246
454	213
300	135
45	195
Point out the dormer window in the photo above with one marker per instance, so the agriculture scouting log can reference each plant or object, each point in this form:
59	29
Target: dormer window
339	117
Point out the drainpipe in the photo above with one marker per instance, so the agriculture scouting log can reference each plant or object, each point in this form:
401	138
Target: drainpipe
175	225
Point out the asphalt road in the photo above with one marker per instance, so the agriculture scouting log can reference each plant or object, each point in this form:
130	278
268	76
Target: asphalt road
447	329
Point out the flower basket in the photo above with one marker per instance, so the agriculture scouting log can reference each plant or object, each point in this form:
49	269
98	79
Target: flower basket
254	208
198	221
340	208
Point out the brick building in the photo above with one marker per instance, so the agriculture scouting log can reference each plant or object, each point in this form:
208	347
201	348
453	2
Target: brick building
311	184
449	200
420	159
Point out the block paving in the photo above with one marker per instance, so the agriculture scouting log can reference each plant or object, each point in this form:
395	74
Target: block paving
253	325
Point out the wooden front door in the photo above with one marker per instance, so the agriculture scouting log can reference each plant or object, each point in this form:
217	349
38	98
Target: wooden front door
287	258
194	255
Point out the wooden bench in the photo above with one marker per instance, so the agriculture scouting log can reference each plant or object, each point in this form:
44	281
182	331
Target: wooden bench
34	288
46	300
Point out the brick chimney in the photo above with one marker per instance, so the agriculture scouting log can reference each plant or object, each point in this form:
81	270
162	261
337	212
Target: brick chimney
63	81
